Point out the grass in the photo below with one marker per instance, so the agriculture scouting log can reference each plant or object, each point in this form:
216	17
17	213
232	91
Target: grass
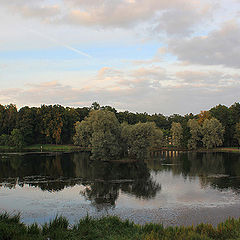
47	147
6	148
228	149
52	147
112	228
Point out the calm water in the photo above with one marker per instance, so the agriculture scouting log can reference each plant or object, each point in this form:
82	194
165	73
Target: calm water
172	188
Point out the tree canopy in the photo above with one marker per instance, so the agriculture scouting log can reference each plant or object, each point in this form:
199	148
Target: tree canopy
55	124
102	132
176	134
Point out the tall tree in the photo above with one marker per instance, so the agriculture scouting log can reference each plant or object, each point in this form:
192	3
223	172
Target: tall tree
237	132
83	134
222	113
70	116
104	131
139	138
27	123
9	118
105	139
212	131
57	123
16	139
177	134
195	131
234	119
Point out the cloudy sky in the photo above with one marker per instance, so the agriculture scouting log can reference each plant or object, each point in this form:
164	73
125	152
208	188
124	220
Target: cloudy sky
163	56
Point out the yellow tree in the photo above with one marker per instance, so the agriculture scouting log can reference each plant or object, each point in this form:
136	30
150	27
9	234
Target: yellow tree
203	115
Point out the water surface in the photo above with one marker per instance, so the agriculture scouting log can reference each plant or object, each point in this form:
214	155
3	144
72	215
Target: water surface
170	187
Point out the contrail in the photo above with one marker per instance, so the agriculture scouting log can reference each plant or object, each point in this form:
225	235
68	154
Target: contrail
59	43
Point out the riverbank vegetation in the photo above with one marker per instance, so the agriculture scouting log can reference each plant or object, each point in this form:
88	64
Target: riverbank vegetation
112	228
220	126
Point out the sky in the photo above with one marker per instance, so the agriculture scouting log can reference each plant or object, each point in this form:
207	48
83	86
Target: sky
154	56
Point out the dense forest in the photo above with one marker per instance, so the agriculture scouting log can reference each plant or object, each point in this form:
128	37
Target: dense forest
55	124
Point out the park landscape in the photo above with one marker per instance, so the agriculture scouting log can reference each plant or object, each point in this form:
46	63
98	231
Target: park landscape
119	119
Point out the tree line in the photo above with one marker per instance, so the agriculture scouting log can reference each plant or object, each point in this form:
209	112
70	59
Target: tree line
55	124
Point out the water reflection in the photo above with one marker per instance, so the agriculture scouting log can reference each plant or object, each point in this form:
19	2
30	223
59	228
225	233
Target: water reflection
102	180
166	187
219	170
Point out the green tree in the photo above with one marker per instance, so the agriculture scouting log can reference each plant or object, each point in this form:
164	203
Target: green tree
109	108
195	131
222	113
4	140
176	134
101	130
127	116
82	113
237	132
139	138
8	118
27	123
234	119
69	117
212	131
235	112
95	106
105	140
83	134
16	139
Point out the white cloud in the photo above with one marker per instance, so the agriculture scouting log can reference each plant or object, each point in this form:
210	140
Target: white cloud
151	89
182	20
172	16
220	47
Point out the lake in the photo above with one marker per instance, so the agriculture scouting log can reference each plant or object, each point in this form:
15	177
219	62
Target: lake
175	188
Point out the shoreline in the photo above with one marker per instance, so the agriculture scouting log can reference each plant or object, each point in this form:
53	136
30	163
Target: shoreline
60	148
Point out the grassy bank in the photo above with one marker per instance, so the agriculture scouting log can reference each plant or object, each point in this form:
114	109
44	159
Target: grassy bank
46	147
52	147
228	149
112	228
5	148
221	149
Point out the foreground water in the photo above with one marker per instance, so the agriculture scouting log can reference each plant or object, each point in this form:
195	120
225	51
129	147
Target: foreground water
172	188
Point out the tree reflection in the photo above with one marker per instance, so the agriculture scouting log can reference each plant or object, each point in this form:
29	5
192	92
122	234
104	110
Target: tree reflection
131	178
219	170
102	180
103	195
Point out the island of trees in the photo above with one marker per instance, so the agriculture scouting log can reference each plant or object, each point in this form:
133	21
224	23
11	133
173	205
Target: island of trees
112	134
